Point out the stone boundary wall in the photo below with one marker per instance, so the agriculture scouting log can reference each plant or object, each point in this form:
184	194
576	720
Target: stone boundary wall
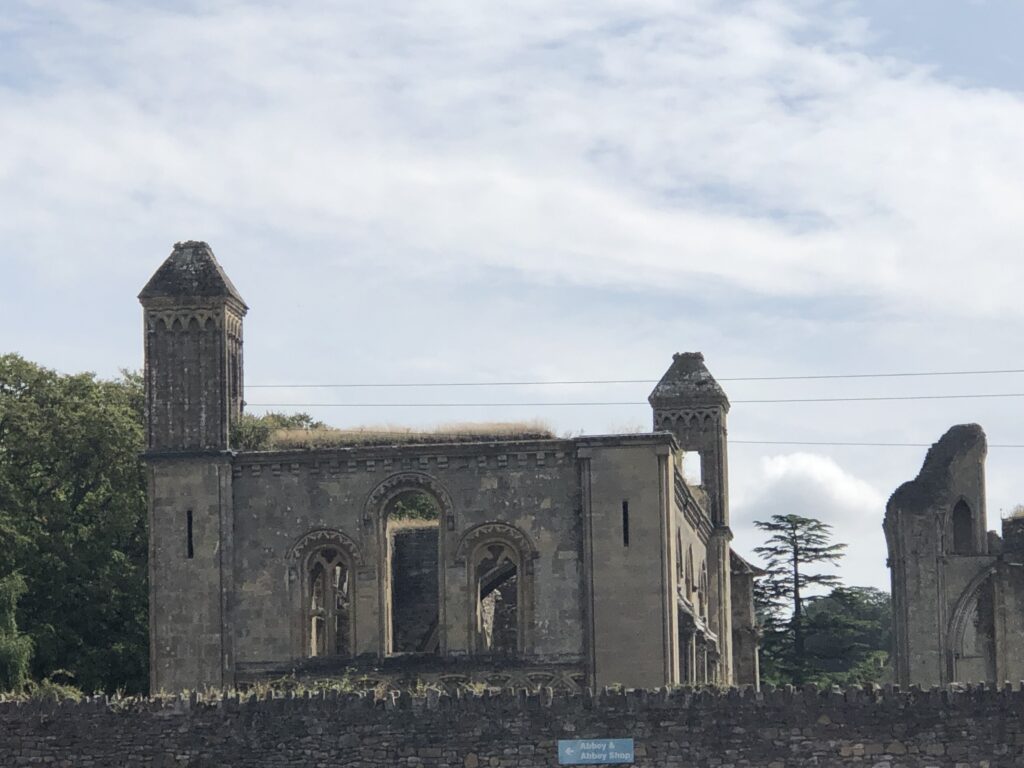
775	729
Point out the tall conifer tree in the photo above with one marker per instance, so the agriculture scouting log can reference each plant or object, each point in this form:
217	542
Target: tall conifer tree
795	545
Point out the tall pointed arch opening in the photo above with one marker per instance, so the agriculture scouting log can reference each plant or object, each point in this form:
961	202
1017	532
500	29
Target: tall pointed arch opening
324	561
499	566
963	529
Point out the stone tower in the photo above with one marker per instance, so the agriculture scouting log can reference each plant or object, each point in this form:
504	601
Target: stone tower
690	404
193	371
193	352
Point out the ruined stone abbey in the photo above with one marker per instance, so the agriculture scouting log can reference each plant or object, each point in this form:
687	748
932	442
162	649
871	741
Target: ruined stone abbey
568	563
957	589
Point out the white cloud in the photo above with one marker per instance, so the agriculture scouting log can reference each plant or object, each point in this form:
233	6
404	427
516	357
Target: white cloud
602	142
475	190
816	486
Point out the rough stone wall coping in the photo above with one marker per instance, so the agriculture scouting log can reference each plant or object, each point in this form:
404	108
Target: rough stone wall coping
412	450
659	437
458	447
833	702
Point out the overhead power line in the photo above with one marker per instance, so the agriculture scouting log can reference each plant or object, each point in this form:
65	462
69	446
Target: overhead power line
411	385
883	398
855	445
886	398
874	375
386	385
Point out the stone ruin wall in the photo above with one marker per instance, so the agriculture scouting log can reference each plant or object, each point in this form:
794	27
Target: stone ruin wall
775	729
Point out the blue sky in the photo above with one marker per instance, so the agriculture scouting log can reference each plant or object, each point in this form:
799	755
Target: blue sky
467	191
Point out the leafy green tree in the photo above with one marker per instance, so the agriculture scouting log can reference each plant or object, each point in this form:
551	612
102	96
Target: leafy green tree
254	433
414	505
849	632
795	545
73	521
15	648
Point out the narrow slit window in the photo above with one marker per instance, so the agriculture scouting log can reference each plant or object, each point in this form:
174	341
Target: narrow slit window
625	523
188	535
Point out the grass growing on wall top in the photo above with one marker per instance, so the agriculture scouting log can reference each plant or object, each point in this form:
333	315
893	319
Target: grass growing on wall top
278	432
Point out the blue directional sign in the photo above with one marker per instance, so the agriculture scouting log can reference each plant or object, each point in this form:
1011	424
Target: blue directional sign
595	751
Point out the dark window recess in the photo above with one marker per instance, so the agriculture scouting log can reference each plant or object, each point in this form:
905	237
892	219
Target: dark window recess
188	534
414	585
625	523
963	526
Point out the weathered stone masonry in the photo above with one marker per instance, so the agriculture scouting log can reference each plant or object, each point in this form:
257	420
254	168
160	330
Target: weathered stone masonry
773	729
958	591
608	566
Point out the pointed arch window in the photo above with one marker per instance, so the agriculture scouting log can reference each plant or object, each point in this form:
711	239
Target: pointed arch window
329	601
973	657
497	597
499	565
963	527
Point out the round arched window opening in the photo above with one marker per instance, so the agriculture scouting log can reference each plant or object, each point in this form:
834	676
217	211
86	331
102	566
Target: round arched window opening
413	543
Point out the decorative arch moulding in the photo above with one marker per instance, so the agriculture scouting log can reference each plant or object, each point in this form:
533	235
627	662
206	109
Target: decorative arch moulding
403	482
703	418
181	319
498	532
321	538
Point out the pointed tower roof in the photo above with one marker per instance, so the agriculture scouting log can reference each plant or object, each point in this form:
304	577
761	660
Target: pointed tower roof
688	382
190	271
